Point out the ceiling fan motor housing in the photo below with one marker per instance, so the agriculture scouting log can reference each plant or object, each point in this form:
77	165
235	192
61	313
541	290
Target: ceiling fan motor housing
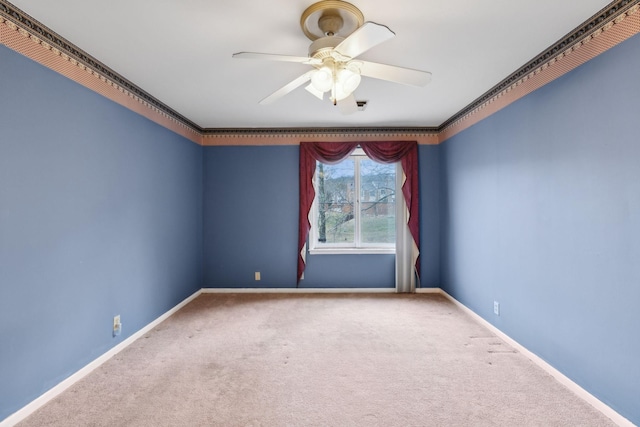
321	48
330	22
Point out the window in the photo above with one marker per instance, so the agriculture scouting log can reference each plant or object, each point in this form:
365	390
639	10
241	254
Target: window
355	206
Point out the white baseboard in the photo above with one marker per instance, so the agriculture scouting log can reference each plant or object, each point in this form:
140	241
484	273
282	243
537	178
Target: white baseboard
559	376
428	291
298	291
52	393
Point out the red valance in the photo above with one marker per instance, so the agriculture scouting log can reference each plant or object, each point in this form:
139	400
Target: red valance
405	152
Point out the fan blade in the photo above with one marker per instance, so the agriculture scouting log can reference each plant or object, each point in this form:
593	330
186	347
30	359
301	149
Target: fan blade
392	73
361	40
272	57
288	88
348	105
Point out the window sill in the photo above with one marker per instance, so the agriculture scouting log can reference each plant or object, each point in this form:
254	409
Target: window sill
352	251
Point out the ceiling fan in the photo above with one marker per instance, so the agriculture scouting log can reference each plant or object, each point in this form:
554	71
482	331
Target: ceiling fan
339	35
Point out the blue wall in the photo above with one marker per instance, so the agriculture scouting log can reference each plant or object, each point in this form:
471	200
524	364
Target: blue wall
541	212
430	208
250	211
100	214
251	224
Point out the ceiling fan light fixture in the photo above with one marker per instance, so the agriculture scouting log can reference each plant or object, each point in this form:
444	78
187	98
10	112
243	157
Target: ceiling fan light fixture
348	79
315	92
340	92
322	79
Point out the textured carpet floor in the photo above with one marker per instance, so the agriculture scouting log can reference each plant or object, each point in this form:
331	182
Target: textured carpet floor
318	360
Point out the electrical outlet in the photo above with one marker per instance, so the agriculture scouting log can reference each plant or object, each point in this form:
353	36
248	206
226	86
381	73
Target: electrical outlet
117	326
496	308
257	275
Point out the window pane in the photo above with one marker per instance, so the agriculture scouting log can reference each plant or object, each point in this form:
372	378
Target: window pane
336	196
377	202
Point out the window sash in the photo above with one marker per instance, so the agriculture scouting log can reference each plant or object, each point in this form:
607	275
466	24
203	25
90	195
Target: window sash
357	246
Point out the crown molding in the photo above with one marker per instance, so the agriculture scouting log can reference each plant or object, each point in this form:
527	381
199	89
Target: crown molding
25	34
321	130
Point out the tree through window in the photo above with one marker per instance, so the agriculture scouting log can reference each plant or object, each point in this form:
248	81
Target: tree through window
355	204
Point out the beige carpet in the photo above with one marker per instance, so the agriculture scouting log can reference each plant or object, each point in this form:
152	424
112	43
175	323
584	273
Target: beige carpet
318	360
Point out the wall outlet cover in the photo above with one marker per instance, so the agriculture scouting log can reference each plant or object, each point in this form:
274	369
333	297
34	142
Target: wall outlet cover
117	325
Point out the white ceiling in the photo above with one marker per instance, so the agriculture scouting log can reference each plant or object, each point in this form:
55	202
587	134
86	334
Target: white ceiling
179	51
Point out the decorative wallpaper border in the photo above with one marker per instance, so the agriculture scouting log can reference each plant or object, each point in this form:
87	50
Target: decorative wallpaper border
612	25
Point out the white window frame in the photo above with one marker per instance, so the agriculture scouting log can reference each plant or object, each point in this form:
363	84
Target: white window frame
317	248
